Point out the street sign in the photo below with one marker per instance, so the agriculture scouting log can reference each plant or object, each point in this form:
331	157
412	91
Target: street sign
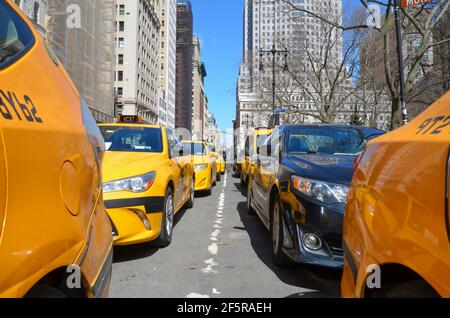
280	110
412	3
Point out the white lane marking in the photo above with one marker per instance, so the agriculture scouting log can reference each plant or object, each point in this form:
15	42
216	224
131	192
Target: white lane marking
215	233
213	249
195	295
217	226
209	269
215	292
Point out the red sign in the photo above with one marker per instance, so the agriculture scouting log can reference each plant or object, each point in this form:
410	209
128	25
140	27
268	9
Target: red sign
412	3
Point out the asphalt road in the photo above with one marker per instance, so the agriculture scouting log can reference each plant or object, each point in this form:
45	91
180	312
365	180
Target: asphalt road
217	251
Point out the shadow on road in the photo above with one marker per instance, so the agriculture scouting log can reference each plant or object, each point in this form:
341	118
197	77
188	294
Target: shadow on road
139	251
323	282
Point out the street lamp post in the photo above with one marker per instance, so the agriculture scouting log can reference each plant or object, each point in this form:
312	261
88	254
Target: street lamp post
275	53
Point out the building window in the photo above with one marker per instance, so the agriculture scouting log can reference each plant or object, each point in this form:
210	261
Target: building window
119	91
36	12
120	76
120	59
121	26
122	9
121	43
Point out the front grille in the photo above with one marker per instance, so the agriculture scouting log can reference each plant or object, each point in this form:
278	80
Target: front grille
337	252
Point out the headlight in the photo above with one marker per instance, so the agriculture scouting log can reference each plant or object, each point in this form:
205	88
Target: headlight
321	191
201	167
134	184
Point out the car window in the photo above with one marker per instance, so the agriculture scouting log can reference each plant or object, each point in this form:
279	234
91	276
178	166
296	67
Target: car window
324	140
132	139
197	149
15	36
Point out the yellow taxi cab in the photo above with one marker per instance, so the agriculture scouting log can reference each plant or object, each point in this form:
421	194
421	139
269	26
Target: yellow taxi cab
55	235
220	161
147	181
204	164
397	226
252	142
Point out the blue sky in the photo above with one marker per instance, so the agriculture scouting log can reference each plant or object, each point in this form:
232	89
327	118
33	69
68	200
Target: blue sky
219	26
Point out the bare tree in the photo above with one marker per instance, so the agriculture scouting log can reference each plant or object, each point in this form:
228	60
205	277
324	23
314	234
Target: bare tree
422	20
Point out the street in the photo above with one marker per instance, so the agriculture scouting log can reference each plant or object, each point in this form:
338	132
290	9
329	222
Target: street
217	251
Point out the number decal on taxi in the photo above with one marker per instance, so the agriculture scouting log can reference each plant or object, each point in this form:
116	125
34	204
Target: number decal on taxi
12	108
434	126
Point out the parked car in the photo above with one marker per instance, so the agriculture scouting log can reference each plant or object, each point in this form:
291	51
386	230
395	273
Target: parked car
254	140
204	163
299	186
147	181
397	217
53	224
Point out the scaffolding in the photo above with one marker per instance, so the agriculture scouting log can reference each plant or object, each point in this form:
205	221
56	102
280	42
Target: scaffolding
87	52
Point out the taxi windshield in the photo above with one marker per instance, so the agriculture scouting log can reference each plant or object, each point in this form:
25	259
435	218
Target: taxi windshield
196	149
132	139
325	140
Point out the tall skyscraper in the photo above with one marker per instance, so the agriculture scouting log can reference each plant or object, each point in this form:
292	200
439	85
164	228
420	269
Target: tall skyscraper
137	59
199	99
86	49
269	23
168	60
183	111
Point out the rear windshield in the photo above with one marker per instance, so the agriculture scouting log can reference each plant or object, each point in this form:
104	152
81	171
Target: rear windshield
132	139
15	36
197	149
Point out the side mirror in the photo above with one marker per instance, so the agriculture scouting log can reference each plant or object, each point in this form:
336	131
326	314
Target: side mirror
224	155
181	152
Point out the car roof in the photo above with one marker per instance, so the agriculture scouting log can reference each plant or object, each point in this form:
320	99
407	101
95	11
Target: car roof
362	128
130	125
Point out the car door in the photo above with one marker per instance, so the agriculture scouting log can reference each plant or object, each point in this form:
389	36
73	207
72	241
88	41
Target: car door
268	170
2	182
176	168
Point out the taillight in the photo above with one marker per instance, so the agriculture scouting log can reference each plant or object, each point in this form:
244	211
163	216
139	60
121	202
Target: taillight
95	137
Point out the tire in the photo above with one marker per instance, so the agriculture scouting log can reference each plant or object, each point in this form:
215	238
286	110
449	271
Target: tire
218	177
250	210
165	238
44	291
276	231
214	179
412	289
242	181
190	202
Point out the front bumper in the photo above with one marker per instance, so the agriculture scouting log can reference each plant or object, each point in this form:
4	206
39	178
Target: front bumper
203	180
325	222
136	220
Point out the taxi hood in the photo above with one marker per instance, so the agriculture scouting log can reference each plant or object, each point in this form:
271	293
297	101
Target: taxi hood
324	167
119	165
198	159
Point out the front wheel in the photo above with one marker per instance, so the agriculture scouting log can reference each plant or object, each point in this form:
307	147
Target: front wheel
165	238
277	231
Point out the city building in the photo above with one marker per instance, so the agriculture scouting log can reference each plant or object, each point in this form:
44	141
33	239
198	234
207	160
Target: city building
138	58
183	109
168	59
35	11
86	49
199	99
268	24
